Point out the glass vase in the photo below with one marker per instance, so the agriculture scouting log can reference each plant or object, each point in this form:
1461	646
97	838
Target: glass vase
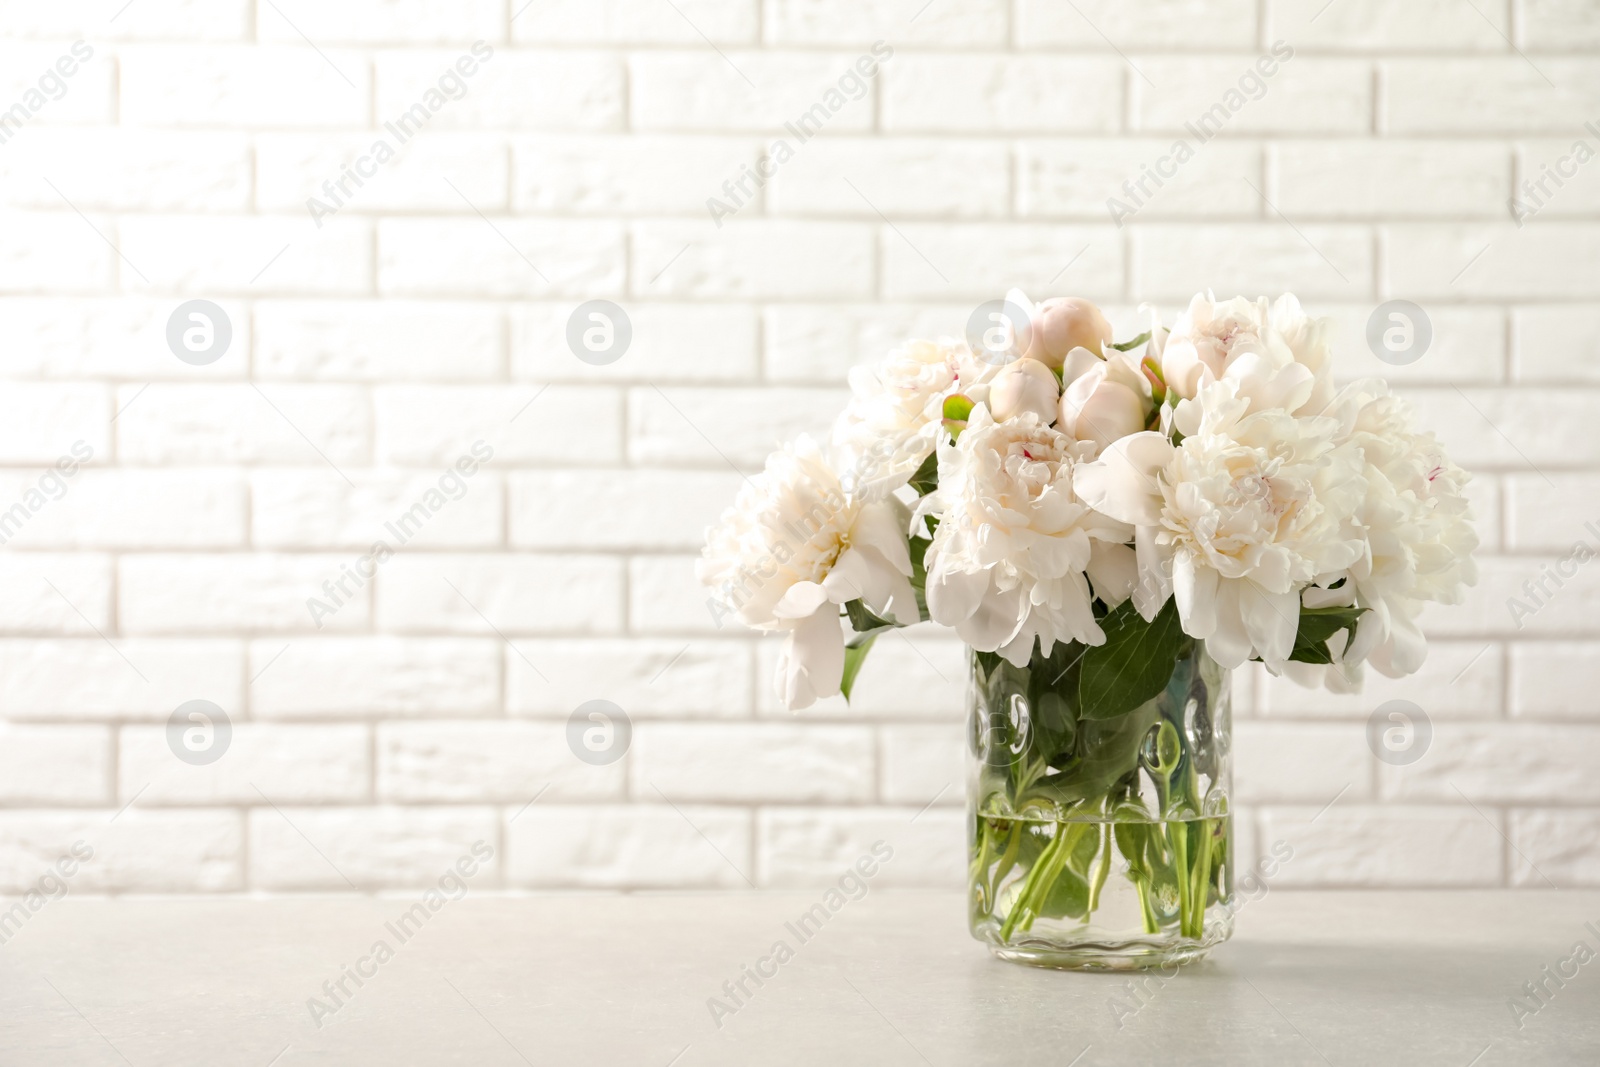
1099	841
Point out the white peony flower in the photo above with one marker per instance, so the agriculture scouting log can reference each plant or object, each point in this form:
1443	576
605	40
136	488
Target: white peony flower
1235	521
896	406
1278	357
1008	560
1416	533
793	548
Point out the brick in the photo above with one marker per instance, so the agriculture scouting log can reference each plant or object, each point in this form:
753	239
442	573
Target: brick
208	20
983	94
629	175
142	851
47	765
616	846
377	341
1489	94
258	255
669	344
91	678
518	593
666	509
292	169
665	597
974	182
475	258
248	86
1502	604
1551	516
516	89
513	763
814	846
33	80
1362	846
318	509
631	22
133	508
243	424
107	169
1501	763
1556	344
54	423
122	339
374	677
645	678
1369	25
754	763
296	848
820	343
1556	180
922	765
921	676
46	593
752	259
1389	179
1559	25
740	90
1253	259
1308	763
1555	679
1465	262
1150	24
1468	345
1082	179
1510	428
159	593
385	22
981	24
290	764
1458	680
981	262
56	253
442	424
1194	97
1555	848
747	424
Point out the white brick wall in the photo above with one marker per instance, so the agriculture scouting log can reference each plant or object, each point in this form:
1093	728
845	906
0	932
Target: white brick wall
372	351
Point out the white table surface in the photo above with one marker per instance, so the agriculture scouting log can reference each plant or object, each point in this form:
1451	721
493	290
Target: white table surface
1309	978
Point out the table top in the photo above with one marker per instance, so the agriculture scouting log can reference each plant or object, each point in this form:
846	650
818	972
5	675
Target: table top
892	978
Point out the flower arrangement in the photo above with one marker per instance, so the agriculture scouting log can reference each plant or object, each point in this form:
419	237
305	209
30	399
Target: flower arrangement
1023	493
1110	528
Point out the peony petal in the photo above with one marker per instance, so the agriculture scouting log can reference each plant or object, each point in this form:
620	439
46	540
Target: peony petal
811	663
879	526
800	600
1196	587
1123	483
1113	571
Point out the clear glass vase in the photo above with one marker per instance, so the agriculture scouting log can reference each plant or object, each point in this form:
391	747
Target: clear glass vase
1099	841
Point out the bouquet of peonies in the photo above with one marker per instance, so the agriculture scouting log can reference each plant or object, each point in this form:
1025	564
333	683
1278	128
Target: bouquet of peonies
1047	486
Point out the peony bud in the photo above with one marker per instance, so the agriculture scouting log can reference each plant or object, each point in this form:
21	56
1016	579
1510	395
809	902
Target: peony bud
1024	385
1065	323
1097	409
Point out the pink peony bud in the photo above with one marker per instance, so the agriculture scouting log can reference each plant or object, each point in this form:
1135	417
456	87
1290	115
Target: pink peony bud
1024	385
1065	323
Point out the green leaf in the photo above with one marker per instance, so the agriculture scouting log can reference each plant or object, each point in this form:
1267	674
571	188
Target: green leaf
926	479
866	624
854	656
1133	665
919	574
1317	625
1128	346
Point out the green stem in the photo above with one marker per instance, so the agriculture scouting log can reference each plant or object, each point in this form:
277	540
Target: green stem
1103	854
